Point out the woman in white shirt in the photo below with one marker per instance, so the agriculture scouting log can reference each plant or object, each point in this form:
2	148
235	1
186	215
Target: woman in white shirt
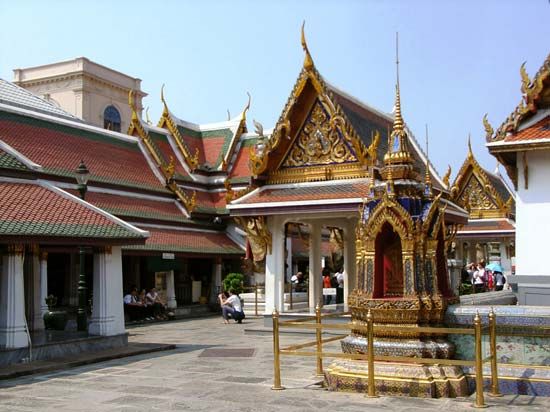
231	307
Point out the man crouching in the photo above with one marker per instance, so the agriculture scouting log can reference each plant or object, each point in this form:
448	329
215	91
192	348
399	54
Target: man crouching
231	307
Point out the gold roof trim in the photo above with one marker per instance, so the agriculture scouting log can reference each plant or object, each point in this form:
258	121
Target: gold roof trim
365	155
168	169
167	122
532	91
471	168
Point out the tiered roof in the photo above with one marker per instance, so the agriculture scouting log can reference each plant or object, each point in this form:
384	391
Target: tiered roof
528	126
31	210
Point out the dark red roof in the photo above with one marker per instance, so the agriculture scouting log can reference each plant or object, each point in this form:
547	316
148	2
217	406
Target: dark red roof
161	141
126	206
59	149
540	130
182	241
28	209
241	165
305	193
474	226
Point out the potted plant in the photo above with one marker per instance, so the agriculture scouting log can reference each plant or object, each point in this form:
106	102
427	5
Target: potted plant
54	319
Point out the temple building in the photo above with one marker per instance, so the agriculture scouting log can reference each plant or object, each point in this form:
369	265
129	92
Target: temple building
321	161
490	232
152	212
522	145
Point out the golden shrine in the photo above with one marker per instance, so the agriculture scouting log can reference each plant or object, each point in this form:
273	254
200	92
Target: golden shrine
402	279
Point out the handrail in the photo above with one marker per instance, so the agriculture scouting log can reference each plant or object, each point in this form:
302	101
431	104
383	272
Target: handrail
370	357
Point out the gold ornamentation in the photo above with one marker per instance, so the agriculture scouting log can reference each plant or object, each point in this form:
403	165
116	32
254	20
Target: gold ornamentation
447	176
189	203
525	81
319	142
488	128
166	121
170	169
258	235
308	61
473	197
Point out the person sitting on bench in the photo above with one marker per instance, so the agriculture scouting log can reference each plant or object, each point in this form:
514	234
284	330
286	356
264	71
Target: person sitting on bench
231	307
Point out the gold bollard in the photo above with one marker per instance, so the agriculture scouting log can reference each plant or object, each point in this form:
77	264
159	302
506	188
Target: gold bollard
256	300
495	391
480	401
319	344
276	355
371	390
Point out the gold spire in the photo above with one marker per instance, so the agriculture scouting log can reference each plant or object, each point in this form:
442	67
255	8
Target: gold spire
470	153
397	149
428	180
308	61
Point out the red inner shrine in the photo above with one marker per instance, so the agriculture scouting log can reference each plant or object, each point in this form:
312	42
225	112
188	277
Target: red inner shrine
388	268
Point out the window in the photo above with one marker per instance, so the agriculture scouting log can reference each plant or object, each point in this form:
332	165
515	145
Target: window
111	119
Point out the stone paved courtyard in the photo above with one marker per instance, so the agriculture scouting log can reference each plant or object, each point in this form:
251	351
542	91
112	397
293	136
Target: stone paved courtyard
215	367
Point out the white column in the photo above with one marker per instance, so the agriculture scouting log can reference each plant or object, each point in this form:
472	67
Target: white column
43	282
170	291
216	280
274	267
12	300
108	309
315	284
350	269
35	321
288	258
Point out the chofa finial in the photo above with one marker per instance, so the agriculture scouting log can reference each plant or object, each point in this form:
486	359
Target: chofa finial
308	61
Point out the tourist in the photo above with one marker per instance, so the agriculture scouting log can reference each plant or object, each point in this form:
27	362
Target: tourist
500	280
148	309
159	307
132	305
339	276
231	307
479	278
327	284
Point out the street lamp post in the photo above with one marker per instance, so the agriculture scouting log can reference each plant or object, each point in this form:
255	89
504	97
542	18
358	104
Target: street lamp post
82	175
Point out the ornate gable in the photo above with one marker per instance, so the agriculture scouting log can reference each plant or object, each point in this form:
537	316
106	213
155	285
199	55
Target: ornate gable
319	142
313	139
476	190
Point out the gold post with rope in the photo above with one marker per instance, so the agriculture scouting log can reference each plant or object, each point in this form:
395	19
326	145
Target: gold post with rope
319	343
276	354
480	401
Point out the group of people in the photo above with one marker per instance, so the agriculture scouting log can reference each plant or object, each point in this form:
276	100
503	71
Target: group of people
145	305
484	278
335	281
232	307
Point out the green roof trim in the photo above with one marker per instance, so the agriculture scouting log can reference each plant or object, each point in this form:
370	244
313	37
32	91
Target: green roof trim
46	229
7	161
186	249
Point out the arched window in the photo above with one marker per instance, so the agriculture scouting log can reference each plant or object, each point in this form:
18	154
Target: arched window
111	119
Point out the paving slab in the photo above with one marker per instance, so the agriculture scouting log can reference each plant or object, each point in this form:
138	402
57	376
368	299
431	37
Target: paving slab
236	374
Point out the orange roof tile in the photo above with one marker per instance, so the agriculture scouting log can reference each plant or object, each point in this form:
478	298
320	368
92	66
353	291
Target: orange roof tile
540	130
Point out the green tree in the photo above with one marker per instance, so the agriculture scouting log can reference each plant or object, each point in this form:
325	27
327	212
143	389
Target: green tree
234	281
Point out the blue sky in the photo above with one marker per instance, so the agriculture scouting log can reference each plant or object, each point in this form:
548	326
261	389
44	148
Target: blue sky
459	59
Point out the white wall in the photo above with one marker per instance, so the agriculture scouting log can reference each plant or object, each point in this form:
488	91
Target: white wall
533	215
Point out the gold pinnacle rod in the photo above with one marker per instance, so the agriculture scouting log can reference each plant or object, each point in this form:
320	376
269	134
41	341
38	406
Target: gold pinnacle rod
495	391
371	390
480	401
319	343
276	354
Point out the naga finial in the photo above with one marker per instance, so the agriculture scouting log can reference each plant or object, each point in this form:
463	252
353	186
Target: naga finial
488	128
247	106
470	152
308	61
447	176
525	81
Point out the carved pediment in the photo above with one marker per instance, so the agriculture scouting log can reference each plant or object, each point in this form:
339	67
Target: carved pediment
475	197
319	142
